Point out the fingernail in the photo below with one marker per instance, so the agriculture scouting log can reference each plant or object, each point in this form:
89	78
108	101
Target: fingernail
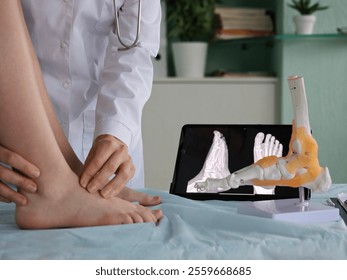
32	187
92	188
106	193
35	173
83	182
22	202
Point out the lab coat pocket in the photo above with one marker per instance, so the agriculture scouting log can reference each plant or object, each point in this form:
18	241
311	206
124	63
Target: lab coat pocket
88	131
106	20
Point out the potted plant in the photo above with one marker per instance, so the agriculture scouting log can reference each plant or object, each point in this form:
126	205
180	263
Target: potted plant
304	23
190	24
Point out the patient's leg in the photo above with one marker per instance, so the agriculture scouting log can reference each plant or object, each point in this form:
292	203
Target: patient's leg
68	152
25	129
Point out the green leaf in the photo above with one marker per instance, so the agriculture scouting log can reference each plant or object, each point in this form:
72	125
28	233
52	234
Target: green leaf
305	7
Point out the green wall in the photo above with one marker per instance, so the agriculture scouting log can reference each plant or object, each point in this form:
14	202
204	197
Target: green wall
323	64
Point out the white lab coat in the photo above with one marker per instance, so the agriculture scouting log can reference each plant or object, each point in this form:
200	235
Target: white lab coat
95	88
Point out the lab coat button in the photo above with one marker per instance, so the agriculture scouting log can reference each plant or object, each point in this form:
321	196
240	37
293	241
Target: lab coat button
63	45
66	84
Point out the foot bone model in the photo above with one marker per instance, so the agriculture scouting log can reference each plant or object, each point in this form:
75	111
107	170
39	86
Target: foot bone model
299	168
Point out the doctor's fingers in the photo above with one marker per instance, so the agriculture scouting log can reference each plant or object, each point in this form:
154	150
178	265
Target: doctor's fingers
17	178
124	170
103	149
7	194
124	173
17	162
98	175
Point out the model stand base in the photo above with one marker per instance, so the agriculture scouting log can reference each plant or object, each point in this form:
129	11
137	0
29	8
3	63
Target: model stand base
290	210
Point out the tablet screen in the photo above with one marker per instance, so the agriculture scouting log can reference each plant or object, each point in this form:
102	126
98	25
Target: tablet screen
216	151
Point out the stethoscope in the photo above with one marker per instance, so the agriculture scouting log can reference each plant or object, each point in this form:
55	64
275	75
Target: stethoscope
117	29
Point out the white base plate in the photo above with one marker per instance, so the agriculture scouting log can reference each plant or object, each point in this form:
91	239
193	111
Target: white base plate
290	210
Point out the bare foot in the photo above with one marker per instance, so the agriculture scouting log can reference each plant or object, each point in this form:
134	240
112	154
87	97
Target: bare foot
72	206
142	198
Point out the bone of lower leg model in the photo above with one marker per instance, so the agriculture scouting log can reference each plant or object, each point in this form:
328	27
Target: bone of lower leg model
299	102
302	159
216	163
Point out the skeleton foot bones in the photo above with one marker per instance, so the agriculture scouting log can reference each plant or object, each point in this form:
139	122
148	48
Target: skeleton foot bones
299	168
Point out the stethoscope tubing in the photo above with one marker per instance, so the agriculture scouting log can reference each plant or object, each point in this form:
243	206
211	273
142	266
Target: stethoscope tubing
117	28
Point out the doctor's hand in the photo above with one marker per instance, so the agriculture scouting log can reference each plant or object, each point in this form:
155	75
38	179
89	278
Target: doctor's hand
108	156
19	172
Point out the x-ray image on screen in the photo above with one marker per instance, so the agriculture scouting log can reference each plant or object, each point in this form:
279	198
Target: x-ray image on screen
218	150
216	163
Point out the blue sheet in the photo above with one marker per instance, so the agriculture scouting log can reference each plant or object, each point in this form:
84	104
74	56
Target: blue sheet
189	230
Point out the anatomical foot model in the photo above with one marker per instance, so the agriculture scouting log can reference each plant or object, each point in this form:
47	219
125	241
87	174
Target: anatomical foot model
264	148
299	168
216	163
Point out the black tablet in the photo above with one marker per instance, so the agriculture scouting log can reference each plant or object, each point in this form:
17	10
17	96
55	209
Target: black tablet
216	150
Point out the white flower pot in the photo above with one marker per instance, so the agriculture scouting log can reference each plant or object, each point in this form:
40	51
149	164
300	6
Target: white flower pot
304	24
190	59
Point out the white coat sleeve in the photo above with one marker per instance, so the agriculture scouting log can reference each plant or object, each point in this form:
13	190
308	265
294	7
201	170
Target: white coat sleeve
126	80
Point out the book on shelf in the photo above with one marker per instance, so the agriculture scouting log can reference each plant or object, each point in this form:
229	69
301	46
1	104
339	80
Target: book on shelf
225	34
245	23
248	11
234	23
236	74
240	11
